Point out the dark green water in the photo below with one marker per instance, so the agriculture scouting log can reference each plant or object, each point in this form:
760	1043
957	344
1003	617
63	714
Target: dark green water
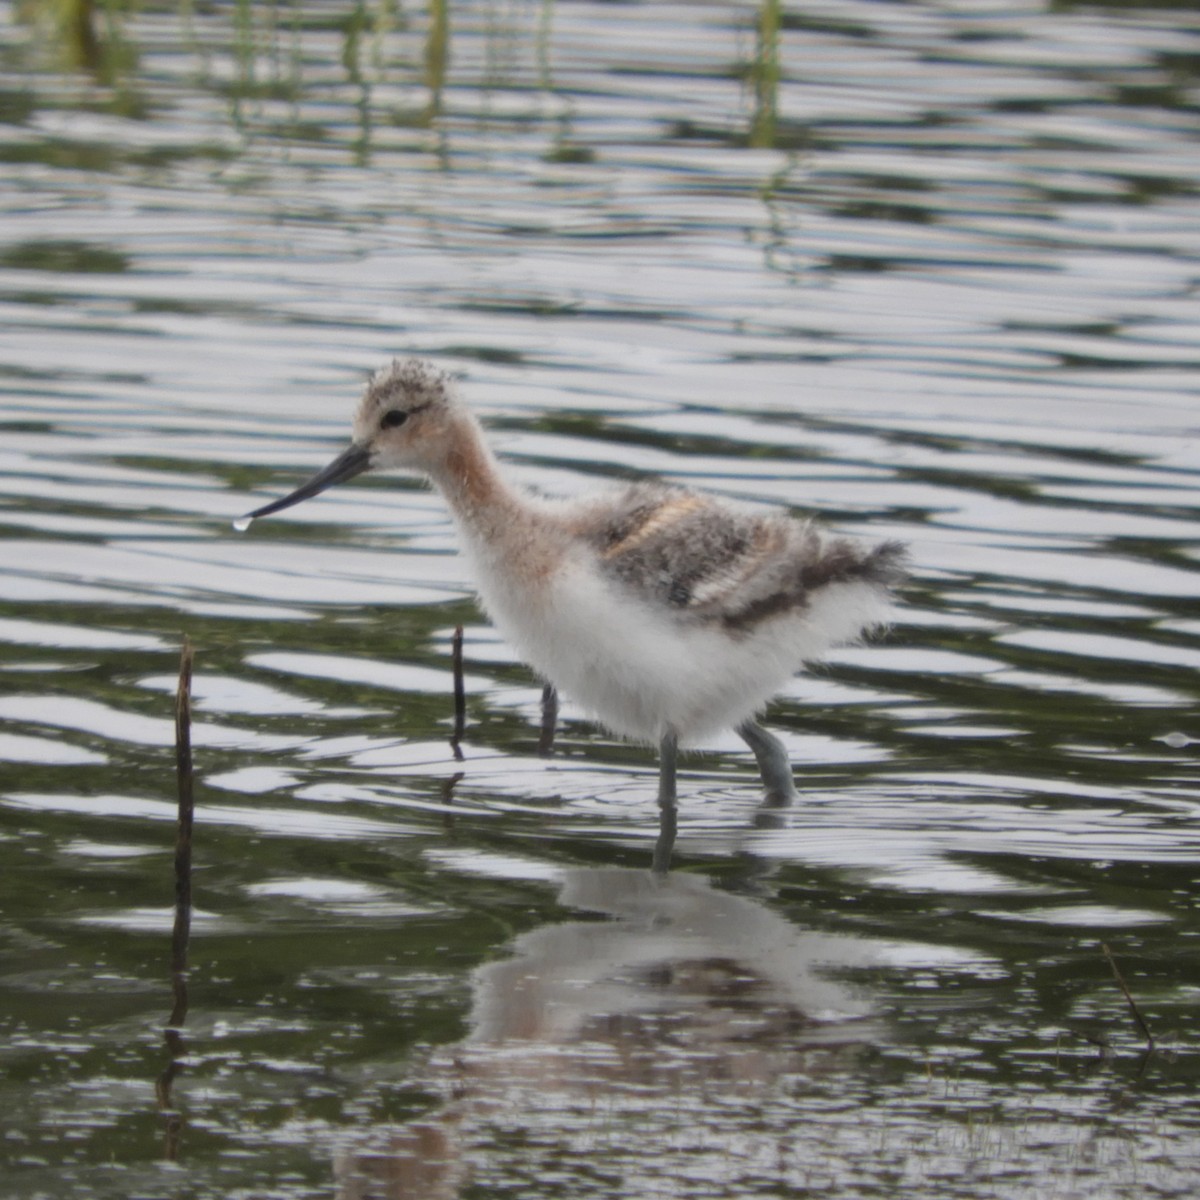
927	270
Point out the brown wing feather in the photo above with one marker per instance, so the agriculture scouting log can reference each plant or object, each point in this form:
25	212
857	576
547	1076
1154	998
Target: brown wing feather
714	562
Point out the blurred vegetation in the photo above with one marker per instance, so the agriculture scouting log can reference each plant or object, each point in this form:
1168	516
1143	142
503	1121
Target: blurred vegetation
764	74
70	26
94	37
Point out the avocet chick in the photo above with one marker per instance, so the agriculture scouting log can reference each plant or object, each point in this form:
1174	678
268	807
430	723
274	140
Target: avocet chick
666	613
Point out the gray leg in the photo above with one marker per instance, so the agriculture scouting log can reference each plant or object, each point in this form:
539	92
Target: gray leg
773	762
549	721
665	843
668	755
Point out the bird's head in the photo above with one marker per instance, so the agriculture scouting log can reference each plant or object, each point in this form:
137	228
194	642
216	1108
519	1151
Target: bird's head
404	419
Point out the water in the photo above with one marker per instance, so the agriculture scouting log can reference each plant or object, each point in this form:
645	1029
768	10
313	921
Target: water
929	270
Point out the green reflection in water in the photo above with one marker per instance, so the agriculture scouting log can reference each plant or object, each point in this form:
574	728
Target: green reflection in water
764	74
71	24
82	37
437	54
66	256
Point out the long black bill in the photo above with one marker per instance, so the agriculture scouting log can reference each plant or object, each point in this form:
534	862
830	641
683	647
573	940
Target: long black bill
354	460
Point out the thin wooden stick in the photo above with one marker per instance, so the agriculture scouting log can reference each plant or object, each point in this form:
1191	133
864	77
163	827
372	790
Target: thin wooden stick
181	930
1133	1008
460	692
183	836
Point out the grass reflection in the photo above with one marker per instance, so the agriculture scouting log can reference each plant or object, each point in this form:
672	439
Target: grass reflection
71	27
82	38
437	54
266	44
764	74
269	46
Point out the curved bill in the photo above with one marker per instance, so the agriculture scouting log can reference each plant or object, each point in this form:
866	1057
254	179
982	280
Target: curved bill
354	460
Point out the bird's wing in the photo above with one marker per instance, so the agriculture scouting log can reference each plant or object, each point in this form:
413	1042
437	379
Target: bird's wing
705	558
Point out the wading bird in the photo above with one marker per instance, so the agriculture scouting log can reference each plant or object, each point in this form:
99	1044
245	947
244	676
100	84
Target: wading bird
666	613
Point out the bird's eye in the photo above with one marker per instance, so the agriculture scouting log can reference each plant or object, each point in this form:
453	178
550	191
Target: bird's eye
393	419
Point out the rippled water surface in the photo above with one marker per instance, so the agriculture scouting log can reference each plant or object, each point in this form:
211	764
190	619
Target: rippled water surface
929	270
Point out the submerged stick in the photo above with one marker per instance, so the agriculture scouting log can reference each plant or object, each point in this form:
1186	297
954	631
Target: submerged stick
1133	1008
181	929
183	834
460	692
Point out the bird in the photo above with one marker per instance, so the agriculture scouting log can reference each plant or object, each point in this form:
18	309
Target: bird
666	613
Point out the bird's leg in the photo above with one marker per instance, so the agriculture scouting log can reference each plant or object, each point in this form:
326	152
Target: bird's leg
665	843
549	721
773	762
668	755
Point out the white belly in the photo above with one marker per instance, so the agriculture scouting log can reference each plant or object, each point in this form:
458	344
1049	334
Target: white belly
641	670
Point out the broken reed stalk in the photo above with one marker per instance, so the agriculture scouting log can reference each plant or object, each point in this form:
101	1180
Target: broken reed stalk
183	836
1133	1008
460	692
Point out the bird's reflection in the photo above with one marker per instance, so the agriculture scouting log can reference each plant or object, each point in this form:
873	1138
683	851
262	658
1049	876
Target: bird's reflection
679	989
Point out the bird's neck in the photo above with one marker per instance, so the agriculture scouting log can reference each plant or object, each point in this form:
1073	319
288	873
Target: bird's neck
470	478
